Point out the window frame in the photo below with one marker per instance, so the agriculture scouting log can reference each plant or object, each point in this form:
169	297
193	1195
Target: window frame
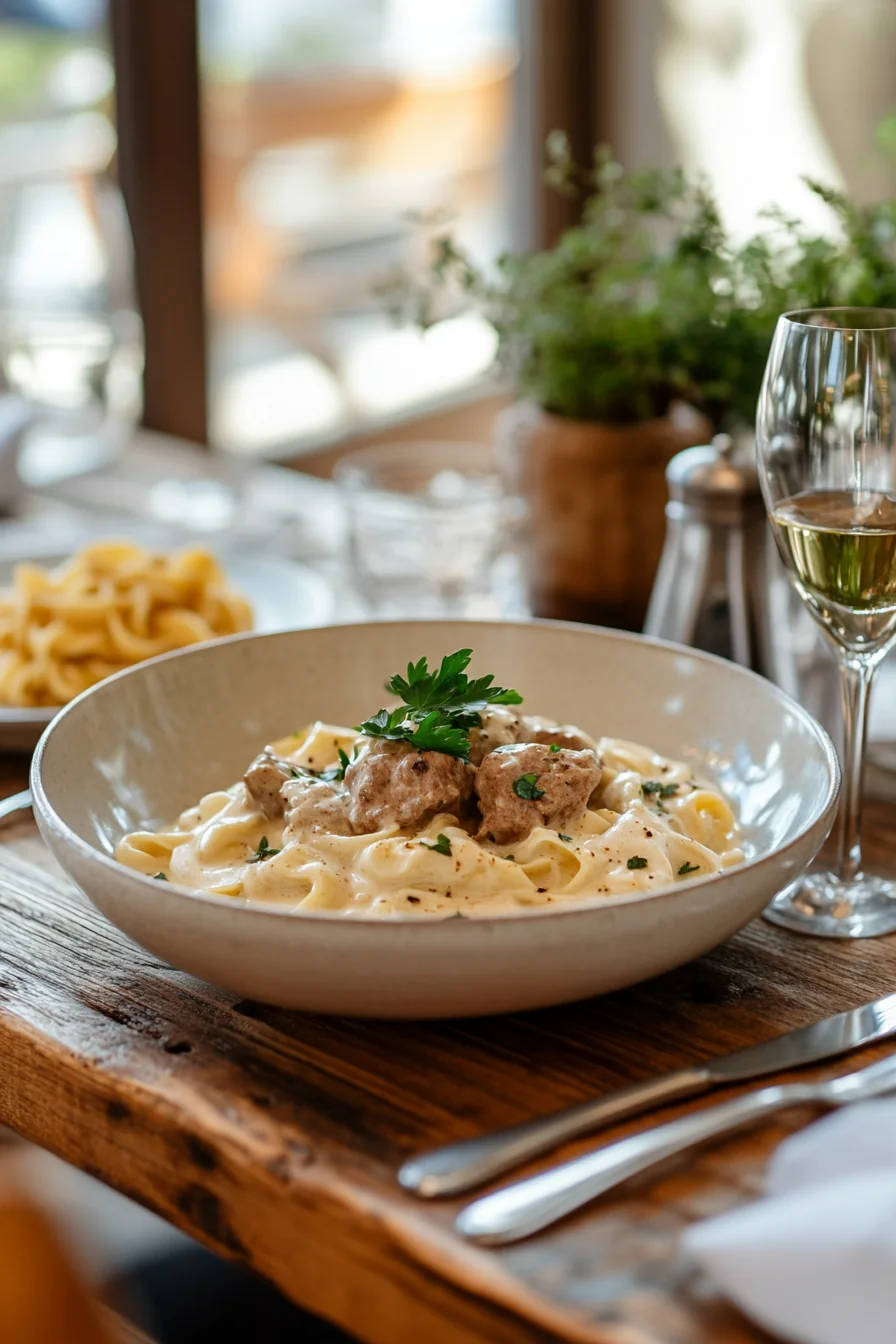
564	47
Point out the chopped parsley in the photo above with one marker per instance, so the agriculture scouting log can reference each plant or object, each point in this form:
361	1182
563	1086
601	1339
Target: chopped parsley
334	773
263	851
661	790
688	868
527	787
441	846
636	862
160	877
438	708
555	746
510	858
567	838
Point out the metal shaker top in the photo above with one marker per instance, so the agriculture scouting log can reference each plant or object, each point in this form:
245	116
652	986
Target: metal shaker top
716	483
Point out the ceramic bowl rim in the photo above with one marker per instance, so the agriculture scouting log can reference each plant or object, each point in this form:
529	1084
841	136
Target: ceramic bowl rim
91	854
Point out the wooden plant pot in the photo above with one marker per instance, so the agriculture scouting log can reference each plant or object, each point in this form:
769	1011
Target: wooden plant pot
596	496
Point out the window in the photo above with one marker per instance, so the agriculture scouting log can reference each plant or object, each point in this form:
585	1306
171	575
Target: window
327	126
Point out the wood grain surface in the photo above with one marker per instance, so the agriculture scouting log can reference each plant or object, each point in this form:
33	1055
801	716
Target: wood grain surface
274	1137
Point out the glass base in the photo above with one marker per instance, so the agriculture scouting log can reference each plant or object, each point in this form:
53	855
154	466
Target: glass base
823	905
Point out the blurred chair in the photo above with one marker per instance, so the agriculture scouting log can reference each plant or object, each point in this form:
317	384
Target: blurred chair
42	1299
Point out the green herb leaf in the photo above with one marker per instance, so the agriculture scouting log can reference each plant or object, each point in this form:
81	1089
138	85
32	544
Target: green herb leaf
526	787
555	747
334	773
661	790
439	707
160	877
263	851
441	846
510	858
688	868
435	732
636	862
449	689
567	838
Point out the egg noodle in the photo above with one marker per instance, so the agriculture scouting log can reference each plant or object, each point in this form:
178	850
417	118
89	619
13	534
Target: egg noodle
650	824
111	605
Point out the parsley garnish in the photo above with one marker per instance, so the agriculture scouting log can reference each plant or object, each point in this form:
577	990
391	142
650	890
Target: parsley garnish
439	708
449	689
334	773
688	868
662	790
441	846
435	732
526	787
160	877
555	746
636	862
263	851
510	858
567	838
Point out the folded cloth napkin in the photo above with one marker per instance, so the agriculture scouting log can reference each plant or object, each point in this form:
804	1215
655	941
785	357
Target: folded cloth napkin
815	1261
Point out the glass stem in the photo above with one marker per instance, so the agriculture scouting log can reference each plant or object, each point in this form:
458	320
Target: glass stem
856	675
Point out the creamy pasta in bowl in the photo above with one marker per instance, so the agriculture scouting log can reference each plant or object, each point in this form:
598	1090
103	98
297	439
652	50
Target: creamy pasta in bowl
447	854
531	814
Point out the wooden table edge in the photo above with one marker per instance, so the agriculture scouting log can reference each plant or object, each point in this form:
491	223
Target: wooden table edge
46	1097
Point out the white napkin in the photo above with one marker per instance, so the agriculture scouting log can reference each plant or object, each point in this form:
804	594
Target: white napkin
815	1261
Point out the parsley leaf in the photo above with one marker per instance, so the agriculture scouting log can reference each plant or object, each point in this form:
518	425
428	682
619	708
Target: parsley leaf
662	790
439	708
510	858
526	787
263	851
334	773
636	862
555	747
449	689
688	868
160	877
441	846
567	838
435	732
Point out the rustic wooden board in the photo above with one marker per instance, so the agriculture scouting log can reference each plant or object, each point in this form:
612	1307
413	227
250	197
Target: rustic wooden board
273	1137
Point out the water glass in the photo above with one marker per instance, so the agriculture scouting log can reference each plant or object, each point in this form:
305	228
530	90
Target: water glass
431	532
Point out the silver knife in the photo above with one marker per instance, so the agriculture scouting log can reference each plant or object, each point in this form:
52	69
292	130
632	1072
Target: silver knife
462	1166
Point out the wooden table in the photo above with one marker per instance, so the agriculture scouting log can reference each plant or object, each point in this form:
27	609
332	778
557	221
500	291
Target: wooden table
274	1137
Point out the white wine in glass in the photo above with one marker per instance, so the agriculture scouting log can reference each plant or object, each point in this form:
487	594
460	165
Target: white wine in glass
826	446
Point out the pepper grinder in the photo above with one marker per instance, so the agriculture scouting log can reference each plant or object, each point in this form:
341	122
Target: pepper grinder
714	586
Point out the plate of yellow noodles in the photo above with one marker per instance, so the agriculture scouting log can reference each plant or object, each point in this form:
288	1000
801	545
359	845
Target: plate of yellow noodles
69	622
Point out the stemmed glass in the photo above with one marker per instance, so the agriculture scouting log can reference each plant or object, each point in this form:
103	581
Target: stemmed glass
826	445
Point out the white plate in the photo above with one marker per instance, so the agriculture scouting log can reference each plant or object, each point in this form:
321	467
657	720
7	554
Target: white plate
145	744
283	596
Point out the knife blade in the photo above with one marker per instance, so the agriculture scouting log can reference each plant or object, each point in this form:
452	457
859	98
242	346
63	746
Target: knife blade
462	1166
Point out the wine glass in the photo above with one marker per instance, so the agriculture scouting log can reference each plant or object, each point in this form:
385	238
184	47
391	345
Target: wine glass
826	446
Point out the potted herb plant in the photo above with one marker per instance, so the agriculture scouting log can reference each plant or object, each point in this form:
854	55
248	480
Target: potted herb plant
643	330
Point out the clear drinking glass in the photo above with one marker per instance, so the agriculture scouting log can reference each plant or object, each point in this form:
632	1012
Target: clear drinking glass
430	530
71	340
826	444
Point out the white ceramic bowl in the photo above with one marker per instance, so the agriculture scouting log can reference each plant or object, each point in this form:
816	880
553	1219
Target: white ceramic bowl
143	745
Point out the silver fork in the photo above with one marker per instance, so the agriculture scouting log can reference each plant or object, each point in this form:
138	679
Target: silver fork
529	1205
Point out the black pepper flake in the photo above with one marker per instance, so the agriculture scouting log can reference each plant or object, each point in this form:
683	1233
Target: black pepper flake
414	900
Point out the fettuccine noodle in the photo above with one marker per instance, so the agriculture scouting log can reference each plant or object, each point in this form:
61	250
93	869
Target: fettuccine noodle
111	605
